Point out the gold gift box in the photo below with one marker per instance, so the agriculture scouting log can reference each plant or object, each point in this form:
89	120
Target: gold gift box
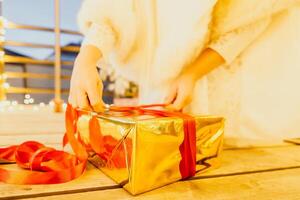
146	155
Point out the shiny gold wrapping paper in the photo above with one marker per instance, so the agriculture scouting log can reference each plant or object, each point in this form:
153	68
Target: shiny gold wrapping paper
155	156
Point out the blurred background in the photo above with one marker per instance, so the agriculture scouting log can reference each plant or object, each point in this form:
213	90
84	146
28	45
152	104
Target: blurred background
38	44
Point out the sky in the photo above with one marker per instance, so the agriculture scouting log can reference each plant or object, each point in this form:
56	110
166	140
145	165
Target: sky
40	13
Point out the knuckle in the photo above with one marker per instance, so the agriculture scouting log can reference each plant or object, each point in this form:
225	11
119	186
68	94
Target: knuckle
91	86
93	104
83	106
96	103
177	106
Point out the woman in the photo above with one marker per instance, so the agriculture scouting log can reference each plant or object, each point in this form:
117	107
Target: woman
170	47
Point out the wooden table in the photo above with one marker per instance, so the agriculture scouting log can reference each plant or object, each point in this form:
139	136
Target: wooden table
253	173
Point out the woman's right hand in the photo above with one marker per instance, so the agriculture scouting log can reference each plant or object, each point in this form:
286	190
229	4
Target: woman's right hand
86	86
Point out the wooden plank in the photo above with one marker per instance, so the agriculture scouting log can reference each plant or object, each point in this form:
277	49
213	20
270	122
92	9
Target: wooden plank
70	48
24	60
277	185
92	179
12	75
24	121
20	90
237	161
25	44
12	25
35	45
49	140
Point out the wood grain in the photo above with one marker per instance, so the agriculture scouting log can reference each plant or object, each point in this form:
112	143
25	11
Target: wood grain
12	25
255	159
279	185
24	60
21	90
27	121
91	180
35	45
16	75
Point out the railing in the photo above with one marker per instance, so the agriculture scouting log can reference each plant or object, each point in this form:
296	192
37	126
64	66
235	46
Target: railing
12	25
57	63
34	45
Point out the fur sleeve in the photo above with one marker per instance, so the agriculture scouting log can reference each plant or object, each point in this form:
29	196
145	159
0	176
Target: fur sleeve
232	44
108	25
237	23
233	14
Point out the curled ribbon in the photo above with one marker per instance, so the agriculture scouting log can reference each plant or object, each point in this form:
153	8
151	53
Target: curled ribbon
44	165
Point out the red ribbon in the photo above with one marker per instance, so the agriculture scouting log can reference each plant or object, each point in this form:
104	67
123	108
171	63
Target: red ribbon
45	165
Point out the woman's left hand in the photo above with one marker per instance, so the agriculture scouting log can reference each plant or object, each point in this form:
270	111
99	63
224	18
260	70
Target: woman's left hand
182	89
181	92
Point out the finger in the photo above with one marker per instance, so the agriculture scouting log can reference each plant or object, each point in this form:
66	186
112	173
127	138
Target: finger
99	107
180	102
72	100
82	100
170	98
95	97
